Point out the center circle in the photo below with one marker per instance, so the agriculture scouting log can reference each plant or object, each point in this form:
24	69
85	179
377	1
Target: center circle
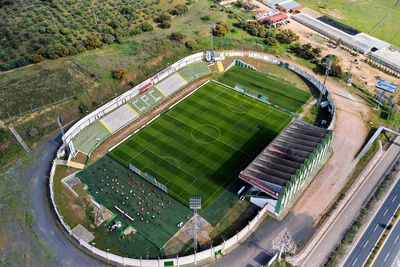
206	133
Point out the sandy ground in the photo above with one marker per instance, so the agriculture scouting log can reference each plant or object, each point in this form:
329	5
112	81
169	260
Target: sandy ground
261	8
363	74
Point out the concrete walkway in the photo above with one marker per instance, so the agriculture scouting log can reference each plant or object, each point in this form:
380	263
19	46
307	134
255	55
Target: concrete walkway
71	164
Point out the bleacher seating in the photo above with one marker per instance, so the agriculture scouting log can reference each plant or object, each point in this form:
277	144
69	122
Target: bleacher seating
171	84
119	117
146	100
87	138
199	69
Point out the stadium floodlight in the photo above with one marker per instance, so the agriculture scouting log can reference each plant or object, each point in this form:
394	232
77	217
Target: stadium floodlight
328	66
211	25
284	243
195	204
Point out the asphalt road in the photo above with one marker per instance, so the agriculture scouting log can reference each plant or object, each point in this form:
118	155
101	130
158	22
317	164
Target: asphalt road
390	251
67	253
323	248
377	226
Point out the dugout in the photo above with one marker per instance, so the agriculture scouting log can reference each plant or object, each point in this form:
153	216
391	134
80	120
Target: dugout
285	164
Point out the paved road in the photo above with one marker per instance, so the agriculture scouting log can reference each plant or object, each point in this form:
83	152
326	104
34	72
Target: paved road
388	254
377	226
67	253
333	234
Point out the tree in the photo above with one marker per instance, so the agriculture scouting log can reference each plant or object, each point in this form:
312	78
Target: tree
107	39
83	108
4	66
51	53
271	41
61	50
35	58
339	42
92	42
262	33
162	17
166	24
146	27
179	10
115	23
221	29
288	36
191	44
120	74
4	134
336	70
177	36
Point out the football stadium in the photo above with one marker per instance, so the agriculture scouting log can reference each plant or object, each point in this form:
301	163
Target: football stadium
239	130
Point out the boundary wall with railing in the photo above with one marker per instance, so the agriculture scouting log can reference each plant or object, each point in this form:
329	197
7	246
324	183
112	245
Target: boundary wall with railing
227	245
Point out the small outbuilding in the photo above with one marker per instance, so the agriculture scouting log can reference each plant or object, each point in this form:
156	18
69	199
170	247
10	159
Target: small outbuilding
273	3
274	18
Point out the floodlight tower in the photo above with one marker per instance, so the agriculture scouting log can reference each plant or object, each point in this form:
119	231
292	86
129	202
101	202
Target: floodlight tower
211	25
349	73
284	242
328	66
195	204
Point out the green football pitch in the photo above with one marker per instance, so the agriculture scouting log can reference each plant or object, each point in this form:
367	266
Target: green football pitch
279	93
200	145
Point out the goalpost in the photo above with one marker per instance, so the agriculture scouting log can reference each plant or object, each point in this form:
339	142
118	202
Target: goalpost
251	92
148	177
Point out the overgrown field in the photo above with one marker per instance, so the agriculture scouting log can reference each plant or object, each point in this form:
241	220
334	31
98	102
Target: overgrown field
200	145
364	15
278	92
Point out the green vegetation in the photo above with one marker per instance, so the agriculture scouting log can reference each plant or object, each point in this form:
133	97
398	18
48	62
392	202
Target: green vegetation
200	145
53	29
363	15
284	95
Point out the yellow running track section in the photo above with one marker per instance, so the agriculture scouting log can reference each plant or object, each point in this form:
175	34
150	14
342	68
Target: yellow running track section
220	66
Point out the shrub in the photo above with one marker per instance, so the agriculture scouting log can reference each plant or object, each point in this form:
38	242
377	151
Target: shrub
35	58
271	41
120	74
146	27
191	44
221	29
206	18
83	108
92	42
4	66
177	36
166	24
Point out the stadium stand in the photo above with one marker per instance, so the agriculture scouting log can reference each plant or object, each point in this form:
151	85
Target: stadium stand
145	101
194	71
119	117
171	84
282	168
89	137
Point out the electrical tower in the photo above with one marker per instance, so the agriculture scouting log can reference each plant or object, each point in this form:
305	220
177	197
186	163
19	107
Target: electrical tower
284	243
195	204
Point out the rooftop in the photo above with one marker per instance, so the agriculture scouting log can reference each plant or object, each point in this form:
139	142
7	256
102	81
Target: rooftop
290	5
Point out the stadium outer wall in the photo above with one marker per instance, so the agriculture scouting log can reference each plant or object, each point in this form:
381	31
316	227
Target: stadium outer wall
227	245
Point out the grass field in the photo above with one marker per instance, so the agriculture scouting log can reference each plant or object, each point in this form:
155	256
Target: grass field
279	93
364	15
200	145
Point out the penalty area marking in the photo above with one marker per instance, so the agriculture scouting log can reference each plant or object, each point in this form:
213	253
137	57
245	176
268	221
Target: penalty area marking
175	160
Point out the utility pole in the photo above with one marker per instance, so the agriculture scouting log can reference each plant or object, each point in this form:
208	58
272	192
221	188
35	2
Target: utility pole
349	73
328	66
270	20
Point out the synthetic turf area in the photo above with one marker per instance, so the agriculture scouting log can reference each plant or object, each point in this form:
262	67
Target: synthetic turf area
171	211
200	145
279	93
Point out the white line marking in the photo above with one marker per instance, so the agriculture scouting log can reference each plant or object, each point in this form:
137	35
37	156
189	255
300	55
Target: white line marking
396	240
386	256
385	212
340	225
346	217
319	255
354	262
394	198
326	244
369	185
365	244
376	227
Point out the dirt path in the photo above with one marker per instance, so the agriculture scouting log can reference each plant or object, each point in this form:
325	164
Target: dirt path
117	137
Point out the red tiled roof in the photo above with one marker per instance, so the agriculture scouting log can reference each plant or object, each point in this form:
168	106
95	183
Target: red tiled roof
296	8
275	18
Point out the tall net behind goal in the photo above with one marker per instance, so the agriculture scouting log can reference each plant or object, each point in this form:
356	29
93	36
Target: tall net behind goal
251	92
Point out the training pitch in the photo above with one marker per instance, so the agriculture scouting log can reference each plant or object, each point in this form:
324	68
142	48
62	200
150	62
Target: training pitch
200	145
280	93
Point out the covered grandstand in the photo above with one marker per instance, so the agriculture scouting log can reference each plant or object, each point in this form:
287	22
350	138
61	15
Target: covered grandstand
285	164
360	42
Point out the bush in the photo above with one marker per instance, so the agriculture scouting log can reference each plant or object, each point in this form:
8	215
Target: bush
35	58
166	24
271	41
146	27
92	42
120	74
177	36
179	10
83	108
4	66
221	29
4	134
206	18
191	44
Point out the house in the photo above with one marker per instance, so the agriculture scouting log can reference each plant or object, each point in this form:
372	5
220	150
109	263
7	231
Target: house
273	3
289	7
